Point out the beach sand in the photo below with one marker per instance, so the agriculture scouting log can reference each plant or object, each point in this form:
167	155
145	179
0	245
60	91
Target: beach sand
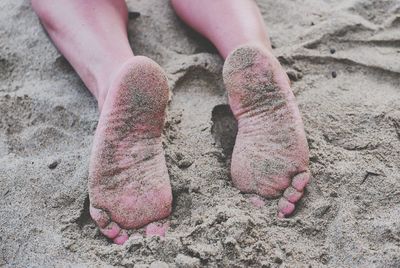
343	58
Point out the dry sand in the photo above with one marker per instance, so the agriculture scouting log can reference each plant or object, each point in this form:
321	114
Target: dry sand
350	214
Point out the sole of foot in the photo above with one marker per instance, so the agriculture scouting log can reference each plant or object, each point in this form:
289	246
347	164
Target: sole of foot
270	157
129	185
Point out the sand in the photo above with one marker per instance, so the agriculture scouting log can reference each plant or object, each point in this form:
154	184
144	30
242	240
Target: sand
344	61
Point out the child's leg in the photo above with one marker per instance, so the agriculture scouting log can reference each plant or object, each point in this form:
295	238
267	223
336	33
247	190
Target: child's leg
226	23
270	157
128	179
91	34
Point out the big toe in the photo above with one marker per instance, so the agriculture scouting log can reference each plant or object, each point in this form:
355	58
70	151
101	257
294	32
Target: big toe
292	194
107	227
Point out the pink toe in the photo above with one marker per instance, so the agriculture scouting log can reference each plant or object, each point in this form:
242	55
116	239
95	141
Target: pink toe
156	229
300	180
285	207
281	215
121	238
99	216
111	231
257	201
292	195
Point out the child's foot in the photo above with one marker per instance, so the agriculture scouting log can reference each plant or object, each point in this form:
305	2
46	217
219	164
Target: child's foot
270	157
129	185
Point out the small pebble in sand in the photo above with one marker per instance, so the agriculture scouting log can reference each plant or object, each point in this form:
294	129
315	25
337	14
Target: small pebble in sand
53	165
133	15
334	74
278	260
333	194
185	163
333	51
292	75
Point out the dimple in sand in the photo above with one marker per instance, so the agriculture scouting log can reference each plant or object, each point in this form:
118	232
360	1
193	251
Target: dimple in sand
129	186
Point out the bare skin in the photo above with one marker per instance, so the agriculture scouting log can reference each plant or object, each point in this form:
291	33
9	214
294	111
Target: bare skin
270	157
128	180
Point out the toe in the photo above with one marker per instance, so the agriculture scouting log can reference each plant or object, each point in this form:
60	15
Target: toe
121	238
257	202
156	229
107	227
300	180
111	230
99	216
285	208
292	194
